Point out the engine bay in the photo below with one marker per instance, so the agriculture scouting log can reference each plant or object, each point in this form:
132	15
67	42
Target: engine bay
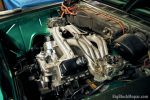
86	50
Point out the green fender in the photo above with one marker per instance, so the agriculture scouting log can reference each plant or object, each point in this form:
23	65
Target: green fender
1	95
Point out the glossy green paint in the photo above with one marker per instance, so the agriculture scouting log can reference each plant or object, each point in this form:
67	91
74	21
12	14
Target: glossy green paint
5	74
1	95
23	28
21	31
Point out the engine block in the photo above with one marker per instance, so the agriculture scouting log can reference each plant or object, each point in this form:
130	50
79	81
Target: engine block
73	54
